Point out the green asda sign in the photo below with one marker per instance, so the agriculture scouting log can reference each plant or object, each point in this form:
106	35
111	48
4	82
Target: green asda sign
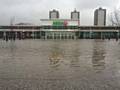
59	23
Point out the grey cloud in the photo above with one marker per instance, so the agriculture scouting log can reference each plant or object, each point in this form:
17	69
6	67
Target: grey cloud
33	10
91	4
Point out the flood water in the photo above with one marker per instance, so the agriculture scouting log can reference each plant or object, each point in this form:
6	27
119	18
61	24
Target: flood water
60	65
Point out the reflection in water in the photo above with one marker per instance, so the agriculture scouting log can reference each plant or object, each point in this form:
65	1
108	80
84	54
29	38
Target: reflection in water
69	56
98	58
59	65
11	50
75	57
55	56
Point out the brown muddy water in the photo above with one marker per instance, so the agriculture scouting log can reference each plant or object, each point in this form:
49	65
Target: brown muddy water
60	65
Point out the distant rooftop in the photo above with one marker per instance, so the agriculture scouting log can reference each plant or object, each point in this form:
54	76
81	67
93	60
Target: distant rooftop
24	24
57	19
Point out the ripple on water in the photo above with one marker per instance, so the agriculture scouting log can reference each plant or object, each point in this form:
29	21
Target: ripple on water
60	65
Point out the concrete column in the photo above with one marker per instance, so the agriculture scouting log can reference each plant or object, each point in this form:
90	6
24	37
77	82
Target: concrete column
4	35
16	35
60	35
41	35
46	36
70	36
74	37
32	34
90	34
67	36
63	36
52	35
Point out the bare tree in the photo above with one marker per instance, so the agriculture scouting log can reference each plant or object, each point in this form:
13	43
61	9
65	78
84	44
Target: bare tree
115	18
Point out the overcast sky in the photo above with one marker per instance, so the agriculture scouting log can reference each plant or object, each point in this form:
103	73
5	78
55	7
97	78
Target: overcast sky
33	10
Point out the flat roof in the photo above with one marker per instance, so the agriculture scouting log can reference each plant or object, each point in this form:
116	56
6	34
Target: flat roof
57	19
